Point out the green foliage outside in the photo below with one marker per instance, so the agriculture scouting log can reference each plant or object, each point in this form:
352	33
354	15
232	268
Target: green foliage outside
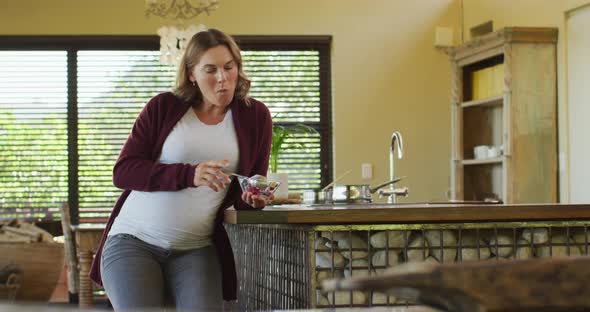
288	83
35	164
280	141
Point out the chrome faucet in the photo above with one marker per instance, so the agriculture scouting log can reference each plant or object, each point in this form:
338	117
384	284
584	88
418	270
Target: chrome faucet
396	139
392	192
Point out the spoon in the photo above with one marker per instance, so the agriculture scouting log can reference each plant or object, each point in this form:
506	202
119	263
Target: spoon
236	175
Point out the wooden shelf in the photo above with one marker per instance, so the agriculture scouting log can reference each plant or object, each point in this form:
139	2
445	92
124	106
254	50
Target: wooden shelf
485	161
490	101
504	94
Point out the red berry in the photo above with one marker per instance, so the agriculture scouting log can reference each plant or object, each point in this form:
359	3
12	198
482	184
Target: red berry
254	190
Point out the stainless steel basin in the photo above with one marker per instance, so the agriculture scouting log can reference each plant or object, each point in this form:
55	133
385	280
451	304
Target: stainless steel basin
382	205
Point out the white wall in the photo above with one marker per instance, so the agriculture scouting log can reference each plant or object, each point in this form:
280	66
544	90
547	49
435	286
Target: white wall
578	77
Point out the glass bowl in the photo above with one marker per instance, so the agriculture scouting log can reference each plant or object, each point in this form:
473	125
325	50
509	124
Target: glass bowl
257	185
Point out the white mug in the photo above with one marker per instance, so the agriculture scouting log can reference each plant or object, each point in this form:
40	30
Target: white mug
493	151
480	151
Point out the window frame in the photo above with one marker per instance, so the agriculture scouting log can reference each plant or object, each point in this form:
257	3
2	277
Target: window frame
72	44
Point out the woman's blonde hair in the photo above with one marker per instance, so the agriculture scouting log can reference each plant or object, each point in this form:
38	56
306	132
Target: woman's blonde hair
197	46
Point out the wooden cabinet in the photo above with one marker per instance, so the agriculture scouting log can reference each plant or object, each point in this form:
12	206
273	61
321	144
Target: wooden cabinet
504	101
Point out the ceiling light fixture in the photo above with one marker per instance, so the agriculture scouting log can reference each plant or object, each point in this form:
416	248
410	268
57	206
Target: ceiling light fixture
173	39
179	9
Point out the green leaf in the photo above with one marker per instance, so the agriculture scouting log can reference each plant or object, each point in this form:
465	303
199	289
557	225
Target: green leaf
280	134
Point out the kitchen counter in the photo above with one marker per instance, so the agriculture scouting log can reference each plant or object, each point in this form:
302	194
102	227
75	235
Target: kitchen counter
283	252
406	213
373	309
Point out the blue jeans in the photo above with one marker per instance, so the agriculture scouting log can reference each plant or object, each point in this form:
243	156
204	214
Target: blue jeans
138	276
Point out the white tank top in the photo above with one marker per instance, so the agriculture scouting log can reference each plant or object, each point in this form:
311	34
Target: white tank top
182	219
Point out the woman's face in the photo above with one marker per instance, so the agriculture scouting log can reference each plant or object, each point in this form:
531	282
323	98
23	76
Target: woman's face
216	74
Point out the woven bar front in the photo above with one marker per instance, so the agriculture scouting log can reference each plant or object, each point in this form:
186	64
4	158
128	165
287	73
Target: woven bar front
282	266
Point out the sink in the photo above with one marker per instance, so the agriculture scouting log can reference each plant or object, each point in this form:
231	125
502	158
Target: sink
380	205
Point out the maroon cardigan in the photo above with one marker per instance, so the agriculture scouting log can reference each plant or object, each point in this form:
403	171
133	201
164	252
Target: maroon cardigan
137	169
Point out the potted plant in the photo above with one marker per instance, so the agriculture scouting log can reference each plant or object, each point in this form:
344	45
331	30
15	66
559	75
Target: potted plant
280	134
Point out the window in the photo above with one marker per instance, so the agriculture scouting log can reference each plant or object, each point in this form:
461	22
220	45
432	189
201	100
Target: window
67	106
291	76
33	132
113	86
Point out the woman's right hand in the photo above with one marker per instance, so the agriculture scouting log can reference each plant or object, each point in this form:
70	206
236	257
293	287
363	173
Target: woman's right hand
209	173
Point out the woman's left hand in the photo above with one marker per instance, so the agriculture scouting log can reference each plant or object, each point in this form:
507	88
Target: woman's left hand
256	201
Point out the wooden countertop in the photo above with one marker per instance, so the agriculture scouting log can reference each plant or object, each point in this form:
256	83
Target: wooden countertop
406	213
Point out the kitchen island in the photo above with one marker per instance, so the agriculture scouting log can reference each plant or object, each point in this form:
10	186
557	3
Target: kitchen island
411	212
284	252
